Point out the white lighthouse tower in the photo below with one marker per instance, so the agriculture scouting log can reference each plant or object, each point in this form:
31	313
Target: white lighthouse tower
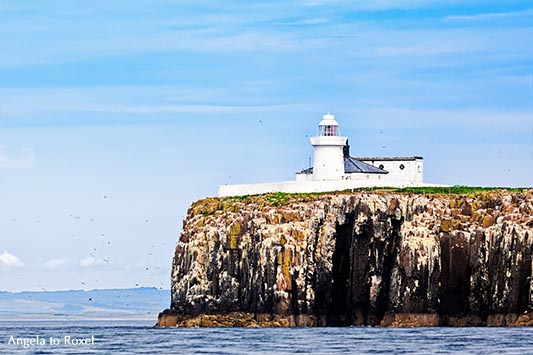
335	170
328	146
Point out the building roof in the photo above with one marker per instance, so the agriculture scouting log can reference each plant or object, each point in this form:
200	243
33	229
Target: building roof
389	158
352	165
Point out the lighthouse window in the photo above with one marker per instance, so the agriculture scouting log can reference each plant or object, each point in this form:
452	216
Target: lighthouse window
328	131
402	167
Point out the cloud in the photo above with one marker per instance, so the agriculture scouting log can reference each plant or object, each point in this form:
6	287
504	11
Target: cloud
208	109
25	160
402	117
10	260
375	5
490	16
139	100
91	261
55	264
305	22
421	50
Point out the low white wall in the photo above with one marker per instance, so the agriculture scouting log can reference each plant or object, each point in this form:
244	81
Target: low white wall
310	186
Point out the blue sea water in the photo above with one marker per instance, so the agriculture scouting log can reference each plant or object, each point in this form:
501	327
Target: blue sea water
138	337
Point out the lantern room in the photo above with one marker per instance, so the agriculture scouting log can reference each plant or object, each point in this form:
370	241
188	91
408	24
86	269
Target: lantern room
328	127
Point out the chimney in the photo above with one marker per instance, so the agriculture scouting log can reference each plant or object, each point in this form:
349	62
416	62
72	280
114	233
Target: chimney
346	149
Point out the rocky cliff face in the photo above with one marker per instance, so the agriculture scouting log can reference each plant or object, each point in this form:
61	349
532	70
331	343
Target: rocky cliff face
390	259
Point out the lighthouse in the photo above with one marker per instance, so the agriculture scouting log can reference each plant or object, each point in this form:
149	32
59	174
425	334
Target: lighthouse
335	170
328	150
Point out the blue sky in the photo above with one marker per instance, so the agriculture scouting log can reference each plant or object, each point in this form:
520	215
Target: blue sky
115	116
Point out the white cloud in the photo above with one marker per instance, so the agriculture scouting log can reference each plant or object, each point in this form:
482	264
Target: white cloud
421	50
376	5
88	261
490	16
10	260
25	160
106	100
402	117
55	264
91	261
209	109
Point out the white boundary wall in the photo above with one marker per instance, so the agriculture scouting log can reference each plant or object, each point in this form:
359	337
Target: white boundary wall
310	186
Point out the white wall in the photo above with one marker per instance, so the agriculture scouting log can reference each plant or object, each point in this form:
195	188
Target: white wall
411	175
413	171
366	180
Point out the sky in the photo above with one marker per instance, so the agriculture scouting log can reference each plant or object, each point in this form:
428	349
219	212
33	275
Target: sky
115	116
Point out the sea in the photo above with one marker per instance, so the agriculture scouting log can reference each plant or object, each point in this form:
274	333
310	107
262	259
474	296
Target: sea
139	337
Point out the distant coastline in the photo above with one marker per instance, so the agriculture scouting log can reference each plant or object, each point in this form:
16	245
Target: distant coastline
105	304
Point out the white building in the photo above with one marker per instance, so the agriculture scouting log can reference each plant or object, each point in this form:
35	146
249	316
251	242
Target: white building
335	170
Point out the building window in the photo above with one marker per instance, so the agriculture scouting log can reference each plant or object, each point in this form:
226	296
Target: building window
402	167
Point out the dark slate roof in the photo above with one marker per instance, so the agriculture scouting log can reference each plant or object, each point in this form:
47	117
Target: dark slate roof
352	165
389	158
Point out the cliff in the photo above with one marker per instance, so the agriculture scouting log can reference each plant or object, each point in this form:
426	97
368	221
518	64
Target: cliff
360	258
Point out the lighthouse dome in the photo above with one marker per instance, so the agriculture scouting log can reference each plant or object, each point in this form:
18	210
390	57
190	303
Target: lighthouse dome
328	120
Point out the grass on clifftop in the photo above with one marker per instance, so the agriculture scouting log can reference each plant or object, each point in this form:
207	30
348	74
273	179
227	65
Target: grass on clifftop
209	206
282	198
279	198
457	189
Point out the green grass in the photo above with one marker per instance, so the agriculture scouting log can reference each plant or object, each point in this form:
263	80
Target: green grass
275	198
282	198
456	190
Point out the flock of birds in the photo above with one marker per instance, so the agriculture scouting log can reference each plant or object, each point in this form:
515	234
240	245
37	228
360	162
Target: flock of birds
97	252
